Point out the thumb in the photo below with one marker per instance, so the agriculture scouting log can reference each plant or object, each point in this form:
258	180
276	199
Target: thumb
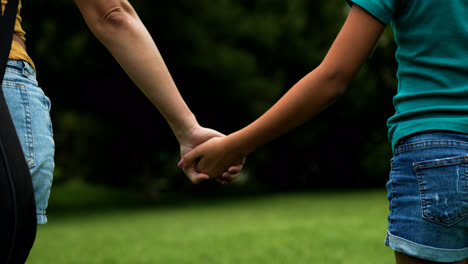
194	176
188	165
181	163
188	159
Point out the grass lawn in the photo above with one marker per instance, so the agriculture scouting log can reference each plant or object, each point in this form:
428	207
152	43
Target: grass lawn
323	227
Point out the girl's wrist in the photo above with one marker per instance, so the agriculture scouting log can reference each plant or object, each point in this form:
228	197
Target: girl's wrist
240	143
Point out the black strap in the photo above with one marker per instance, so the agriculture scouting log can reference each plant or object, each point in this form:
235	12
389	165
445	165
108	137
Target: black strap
7	22
18	217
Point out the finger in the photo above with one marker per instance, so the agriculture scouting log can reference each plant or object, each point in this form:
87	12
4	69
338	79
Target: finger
229	177
235	169
188	159
181	163
224	182
185	163
197	179
194	176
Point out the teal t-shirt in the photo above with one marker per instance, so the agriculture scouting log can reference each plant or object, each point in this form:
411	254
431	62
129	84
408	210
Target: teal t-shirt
432	56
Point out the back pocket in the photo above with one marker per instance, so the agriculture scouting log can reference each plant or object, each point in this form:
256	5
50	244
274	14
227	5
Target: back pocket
444	192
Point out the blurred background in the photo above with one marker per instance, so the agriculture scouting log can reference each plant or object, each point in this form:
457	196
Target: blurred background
231	61
118	195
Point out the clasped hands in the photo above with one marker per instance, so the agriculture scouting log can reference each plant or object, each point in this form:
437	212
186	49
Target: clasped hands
209	155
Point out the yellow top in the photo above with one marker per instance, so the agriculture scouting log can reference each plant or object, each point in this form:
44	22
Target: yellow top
17	52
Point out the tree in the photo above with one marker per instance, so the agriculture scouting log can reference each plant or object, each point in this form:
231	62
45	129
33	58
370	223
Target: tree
231	60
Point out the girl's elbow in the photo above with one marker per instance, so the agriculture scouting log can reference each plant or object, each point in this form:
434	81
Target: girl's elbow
340	88
338	81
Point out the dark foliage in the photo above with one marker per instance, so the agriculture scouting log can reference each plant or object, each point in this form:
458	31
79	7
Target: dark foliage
231	61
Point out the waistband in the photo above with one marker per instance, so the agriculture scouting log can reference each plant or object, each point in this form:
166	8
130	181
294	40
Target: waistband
22	68
432	138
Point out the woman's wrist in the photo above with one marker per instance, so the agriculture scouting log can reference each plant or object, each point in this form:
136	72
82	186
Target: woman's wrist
184	128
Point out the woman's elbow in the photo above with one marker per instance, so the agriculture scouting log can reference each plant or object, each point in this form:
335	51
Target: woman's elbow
117	17
110	19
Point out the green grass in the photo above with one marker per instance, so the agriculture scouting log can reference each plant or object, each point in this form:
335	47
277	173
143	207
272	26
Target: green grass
337	227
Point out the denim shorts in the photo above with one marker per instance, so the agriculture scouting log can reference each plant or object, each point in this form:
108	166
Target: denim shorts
29	109
428	195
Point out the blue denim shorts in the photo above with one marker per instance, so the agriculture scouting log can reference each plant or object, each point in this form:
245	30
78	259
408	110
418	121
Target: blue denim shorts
428	195
29	109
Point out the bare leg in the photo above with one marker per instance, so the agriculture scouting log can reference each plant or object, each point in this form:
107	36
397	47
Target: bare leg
405	259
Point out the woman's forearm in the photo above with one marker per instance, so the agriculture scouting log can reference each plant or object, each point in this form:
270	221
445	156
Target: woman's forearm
118	27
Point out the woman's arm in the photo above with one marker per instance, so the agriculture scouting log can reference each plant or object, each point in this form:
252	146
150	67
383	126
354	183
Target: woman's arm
118	27
308	97
116	24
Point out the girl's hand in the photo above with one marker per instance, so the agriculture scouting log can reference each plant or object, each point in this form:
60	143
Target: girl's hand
195	137
215	158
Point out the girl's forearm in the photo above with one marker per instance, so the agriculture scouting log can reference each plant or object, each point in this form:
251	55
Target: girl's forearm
304	100
121	31
319	88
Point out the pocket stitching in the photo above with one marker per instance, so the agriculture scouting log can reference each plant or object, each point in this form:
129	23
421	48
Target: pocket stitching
31	159
463	160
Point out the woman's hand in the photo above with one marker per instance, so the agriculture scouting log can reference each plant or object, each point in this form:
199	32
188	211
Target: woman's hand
197	136
215	158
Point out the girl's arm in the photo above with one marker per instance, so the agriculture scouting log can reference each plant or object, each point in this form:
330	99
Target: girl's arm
118	27
308	97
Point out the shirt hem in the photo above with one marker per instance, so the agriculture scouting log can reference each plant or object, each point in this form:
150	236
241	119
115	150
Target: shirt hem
400	133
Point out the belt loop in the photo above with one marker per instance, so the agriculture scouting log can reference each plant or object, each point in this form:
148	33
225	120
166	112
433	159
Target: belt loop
27	70
24	70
